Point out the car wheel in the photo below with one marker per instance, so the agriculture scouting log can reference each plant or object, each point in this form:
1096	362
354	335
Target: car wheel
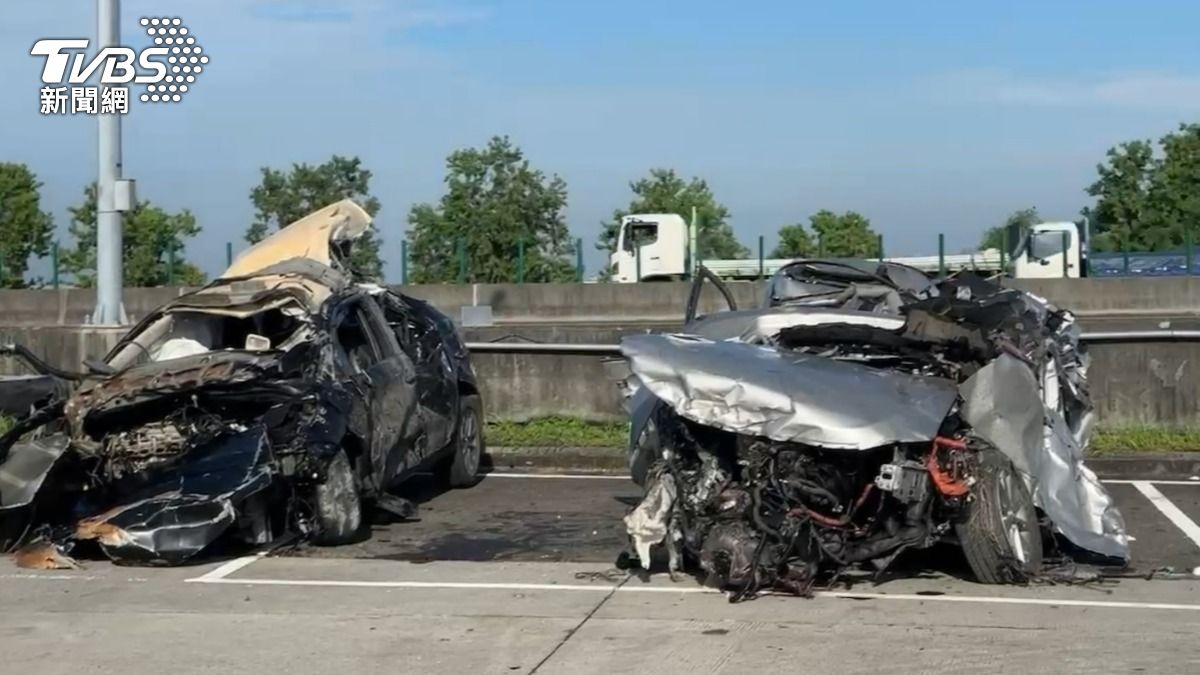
468	451
1001	536
337	504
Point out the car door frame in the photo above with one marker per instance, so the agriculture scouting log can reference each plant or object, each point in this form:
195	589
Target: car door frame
394	429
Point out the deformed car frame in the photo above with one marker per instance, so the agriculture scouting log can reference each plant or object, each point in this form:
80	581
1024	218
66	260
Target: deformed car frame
280	398
865	409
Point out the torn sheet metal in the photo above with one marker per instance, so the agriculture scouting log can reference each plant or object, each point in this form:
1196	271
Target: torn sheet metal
312	237
648	524
1003	404
24	471
758	325
785	396
21	393
178	512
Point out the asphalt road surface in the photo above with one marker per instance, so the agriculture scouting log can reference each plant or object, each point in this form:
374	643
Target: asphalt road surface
515	576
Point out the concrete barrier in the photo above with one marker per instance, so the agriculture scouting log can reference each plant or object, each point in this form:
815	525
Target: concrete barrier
1131	383
570	303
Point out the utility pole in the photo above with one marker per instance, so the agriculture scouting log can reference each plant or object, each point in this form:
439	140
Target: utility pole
113	195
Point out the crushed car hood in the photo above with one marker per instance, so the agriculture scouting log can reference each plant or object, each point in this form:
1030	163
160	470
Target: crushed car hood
789	397
312	237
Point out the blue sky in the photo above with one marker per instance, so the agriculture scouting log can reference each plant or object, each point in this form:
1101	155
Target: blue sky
926	116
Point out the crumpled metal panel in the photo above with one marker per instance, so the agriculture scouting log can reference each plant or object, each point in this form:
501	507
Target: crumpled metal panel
185	507
757	325
789	397
1004	405
26	467
21	393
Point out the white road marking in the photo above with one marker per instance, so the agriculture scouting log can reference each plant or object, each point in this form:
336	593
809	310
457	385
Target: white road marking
1168	509
607	588
228	568
584	476
1155	482
601	476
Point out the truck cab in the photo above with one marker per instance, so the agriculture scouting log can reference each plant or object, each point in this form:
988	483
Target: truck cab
1040	251
650	246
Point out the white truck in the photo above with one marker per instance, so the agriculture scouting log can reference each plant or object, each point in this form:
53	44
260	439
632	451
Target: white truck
658	246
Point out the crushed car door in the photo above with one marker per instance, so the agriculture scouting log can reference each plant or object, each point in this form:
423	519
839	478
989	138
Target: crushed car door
703	275
437	383
387	379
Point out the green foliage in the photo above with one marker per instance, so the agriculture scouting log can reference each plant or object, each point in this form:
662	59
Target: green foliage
794	242
1144	438
282	198
25	229
6	423
1023	219
151	236
664	191
494	200
557	432
848	235
1145	200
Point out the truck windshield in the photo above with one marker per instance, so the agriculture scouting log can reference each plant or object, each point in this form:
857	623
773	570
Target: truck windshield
640	233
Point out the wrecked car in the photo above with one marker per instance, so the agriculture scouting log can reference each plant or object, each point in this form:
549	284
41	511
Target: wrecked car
282	399
864	410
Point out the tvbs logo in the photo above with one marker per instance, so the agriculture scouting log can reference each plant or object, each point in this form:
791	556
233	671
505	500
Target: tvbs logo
168	69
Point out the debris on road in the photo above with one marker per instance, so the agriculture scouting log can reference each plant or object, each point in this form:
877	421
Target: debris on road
863	411
283	398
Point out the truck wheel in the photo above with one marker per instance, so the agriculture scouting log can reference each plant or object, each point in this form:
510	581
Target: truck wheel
338	505
1001	537
463	470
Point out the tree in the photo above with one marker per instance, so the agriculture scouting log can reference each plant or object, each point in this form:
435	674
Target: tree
494	200
25	229
848	235
794	242
663	191
152	245
1023	219
1122	212
1148	201
283	198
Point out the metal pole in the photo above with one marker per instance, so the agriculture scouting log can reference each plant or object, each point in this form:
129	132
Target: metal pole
54	263
1064	252
1125	252
1189	256
941	254
1003	248
109	273
462	261
820	246
879	246
579	259
403	262
228	253
638	248
760	258
521	261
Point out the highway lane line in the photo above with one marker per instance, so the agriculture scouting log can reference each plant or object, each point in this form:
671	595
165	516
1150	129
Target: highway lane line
1195	483
228	568
1168	509
593	476
573	476
610	588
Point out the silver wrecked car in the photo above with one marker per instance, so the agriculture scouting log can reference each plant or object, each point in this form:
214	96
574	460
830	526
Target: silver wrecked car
863	410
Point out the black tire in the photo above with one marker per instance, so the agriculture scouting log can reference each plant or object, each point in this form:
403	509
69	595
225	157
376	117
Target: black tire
337	504
463	468
1001	536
